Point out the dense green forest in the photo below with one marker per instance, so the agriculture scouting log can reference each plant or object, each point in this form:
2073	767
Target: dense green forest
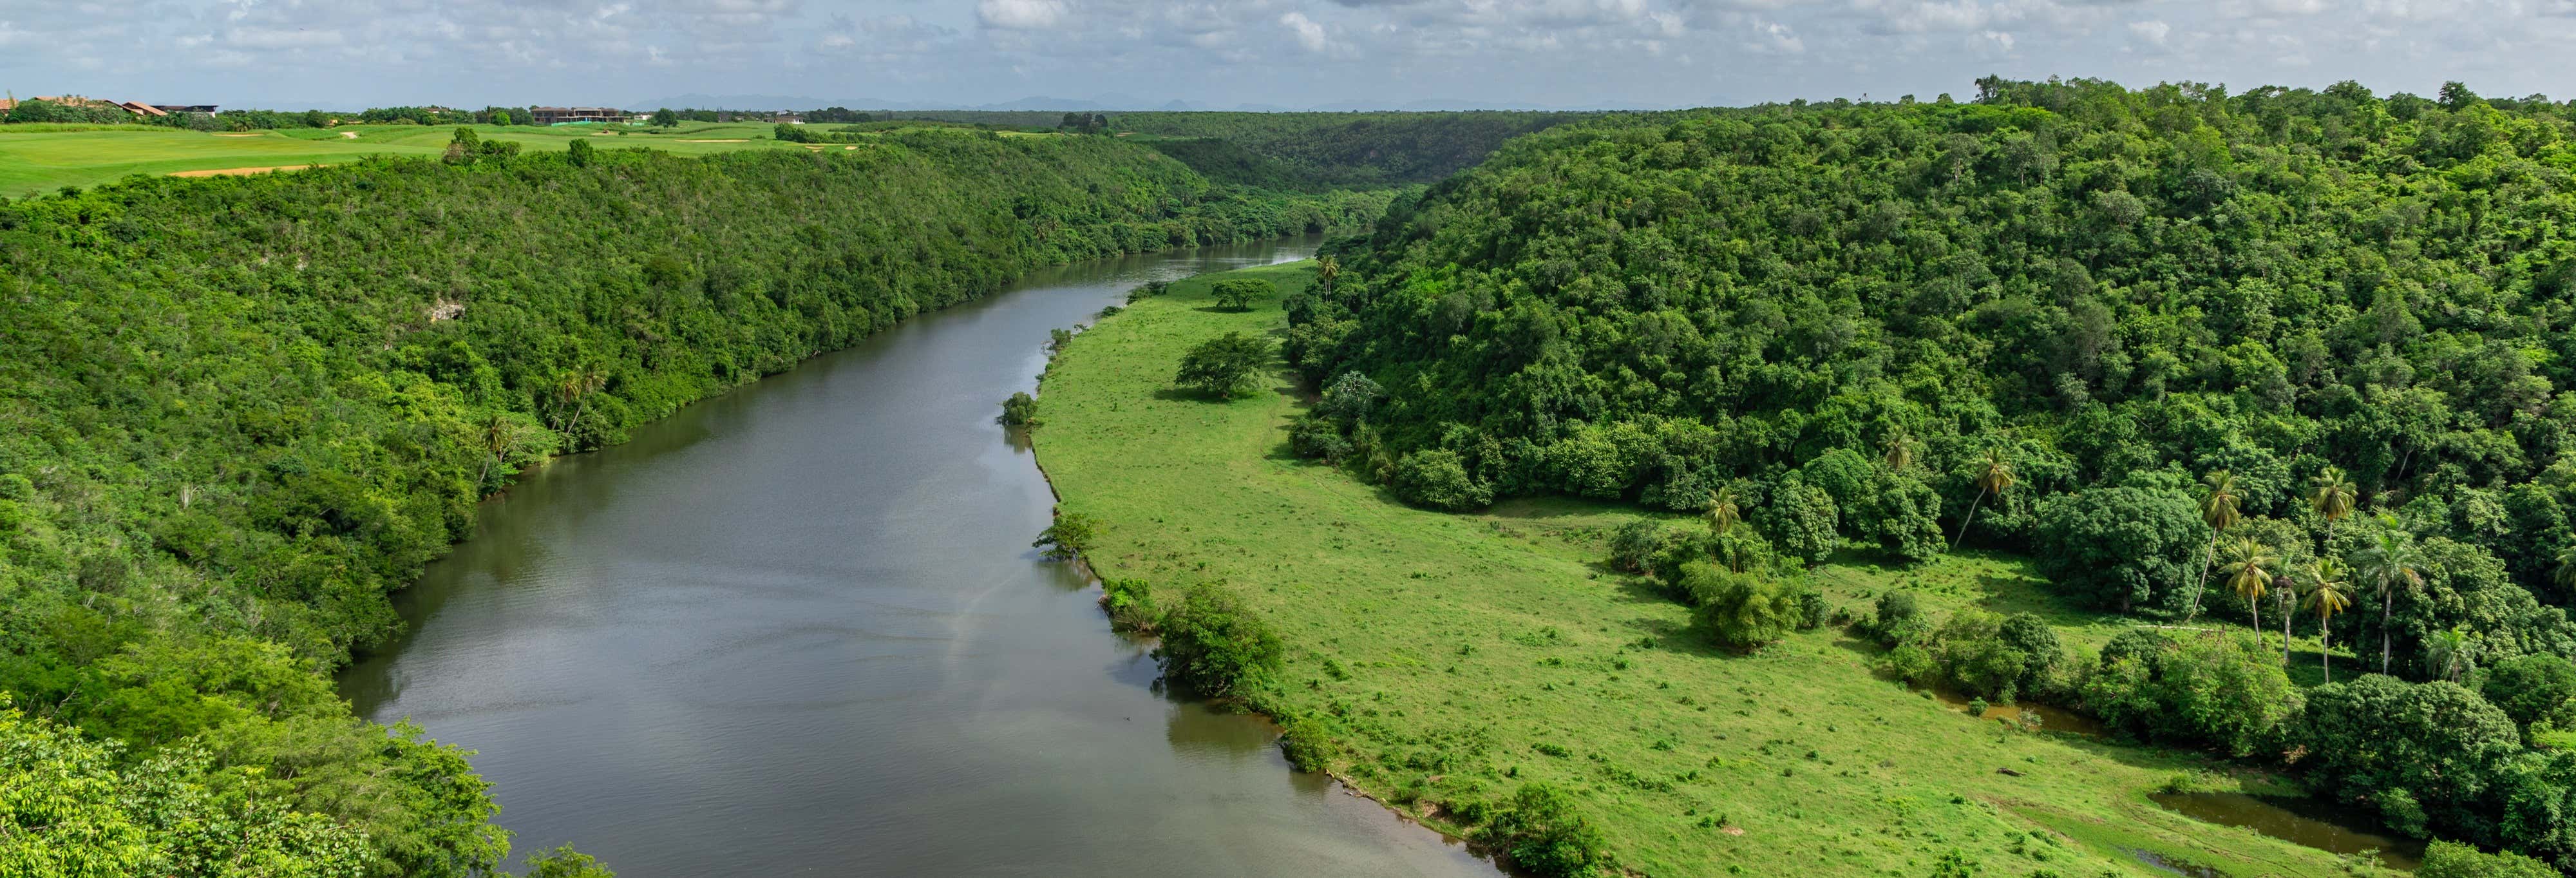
2284	357
1337	149
236	412
1300	151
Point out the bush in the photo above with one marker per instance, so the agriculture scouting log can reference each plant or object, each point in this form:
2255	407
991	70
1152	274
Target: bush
2533	688
1021	410
1634	544
1437	478
2444	859
1223	366
2222	691
1130	604
1899	619
1800	520
1214	646
1540	831
1147	291
1319	438
1975	657
1308	743
1741	609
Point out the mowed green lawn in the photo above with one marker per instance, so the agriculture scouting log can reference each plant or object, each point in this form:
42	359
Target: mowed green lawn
1498	644
45	160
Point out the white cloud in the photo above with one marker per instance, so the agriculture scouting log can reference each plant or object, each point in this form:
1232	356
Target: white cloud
1309	34
1021	14
2153	32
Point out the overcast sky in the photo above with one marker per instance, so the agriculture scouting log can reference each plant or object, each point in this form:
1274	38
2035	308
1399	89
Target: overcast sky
1223	53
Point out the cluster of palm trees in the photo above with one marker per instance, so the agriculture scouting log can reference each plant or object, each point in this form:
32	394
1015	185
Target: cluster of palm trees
2388	564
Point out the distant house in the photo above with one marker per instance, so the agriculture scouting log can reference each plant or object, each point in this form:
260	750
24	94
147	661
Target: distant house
579	115
188	109
791	117
140	108
135	107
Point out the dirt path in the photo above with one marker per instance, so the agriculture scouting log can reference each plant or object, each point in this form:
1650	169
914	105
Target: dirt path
239	172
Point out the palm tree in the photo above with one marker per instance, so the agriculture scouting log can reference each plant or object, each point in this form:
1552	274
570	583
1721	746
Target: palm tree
1994	479
1724	512
2218	508
578	385
2451	652
2328	593
496	440
2332	493
2249	560
2565	576
2390	563
1900	449
1328	271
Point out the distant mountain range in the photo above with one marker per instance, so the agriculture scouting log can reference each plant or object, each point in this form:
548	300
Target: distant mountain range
1102	103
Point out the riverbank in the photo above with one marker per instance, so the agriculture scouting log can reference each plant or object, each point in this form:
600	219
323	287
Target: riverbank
1458	657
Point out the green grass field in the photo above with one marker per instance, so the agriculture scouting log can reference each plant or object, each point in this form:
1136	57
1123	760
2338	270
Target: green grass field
1499	643
44	158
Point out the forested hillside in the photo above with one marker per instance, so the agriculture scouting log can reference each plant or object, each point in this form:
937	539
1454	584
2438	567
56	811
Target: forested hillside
2182	345
236	412
1339	149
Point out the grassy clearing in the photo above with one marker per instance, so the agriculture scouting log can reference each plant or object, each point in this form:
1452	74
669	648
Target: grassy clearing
42	158
1467	654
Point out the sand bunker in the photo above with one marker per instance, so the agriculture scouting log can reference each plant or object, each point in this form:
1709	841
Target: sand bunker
240	172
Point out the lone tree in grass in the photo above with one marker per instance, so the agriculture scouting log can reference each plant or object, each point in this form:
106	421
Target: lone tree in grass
1223	366
1238	293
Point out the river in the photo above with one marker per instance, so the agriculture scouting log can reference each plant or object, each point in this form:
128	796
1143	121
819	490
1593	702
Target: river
798	629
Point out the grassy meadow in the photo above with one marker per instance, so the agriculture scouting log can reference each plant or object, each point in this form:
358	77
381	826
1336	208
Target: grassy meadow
1467	654
42	158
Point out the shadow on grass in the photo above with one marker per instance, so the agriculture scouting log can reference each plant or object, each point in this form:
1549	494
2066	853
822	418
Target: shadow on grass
1184	394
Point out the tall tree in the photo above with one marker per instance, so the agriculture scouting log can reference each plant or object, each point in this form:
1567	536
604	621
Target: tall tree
2218	508
1898	449
2250	563
2329	592
2390	563
2451	653
2332	493
1993	479
1725	511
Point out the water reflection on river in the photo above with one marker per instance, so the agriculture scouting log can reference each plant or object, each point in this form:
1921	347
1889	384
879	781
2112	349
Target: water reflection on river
798	629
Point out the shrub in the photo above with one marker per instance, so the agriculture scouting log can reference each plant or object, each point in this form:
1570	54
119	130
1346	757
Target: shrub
1899	619
1741	609
2225	692
1437	478
1540	830
2532	688
1223	366
1307	742
1021	410
2425	753
2444	859
1634	545
1799	519
1147	291
1319	438
1068	537
1130	604
1349	398
1975	657
1912	663
1214	646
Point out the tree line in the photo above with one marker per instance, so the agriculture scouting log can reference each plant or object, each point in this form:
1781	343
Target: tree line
235	413
2291	359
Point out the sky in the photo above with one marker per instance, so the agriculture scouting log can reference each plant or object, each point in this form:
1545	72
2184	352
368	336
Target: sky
1222	54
